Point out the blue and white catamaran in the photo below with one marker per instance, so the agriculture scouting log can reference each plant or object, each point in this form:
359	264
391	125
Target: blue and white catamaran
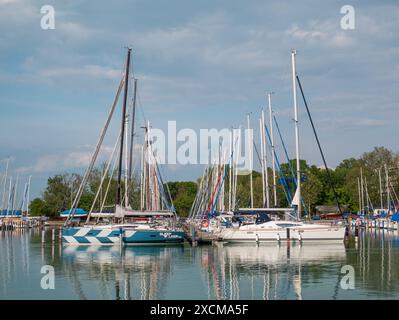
154	222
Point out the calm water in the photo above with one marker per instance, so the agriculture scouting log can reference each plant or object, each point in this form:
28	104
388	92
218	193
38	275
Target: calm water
204	272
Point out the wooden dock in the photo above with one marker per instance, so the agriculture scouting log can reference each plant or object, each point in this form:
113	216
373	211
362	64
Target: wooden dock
196	236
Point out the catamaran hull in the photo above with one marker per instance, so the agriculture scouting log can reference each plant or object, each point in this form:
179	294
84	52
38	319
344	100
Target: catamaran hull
152	236
91	236
108	236
333	234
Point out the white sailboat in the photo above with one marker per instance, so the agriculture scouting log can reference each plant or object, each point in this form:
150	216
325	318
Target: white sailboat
265	229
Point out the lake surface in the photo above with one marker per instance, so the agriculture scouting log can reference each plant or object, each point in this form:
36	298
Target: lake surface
205	272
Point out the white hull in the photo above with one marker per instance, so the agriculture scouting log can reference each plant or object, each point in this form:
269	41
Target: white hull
274	231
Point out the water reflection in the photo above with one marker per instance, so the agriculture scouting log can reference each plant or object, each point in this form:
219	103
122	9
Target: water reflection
219	271
136	272
265	272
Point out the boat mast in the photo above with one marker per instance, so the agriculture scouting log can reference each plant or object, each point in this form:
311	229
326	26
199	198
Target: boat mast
266	176
149	186
250	162
273	150
230	168
132	134
126	162
9	196
4	187
142	179
380	181
360	197
298	169
362	189
262	161
15	194
387	184
118	194
27	196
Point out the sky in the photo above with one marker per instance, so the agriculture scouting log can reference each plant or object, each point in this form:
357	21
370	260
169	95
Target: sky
203	64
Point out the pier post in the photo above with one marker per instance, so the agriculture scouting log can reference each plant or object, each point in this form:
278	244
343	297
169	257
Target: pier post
60	235
52	235
43	233
356	233
120	239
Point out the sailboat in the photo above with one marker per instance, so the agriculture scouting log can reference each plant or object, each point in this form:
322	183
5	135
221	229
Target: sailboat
266	229
123	227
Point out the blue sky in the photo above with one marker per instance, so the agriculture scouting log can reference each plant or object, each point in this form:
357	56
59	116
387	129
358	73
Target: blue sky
204	64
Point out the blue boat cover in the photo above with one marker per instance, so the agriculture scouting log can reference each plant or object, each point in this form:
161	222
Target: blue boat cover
78	212
10	213
395	217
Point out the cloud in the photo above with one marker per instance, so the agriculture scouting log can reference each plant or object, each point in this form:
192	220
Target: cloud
71	160
303	34
85	71
325	33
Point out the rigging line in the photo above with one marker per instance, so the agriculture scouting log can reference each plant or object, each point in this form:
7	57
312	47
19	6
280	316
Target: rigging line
103	177
141	106
277	161
321	151
285	150
95	154
257	153
159	177
280	171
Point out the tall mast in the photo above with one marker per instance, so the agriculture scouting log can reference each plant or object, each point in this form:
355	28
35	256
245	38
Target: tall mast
273	150
150	195
266	176
4	187
250	162
9	195
380	180
360	198
387	186
362	189
142	179
118	194
15	194
126	196
132	133
298	169
230	168
27	197
262	162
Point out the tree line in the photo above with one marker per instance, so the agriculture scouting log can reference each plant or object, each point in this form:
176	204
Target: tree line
316	186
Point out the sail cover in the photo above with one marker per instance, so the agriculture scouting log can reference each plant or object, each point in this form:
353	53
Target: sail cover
295	200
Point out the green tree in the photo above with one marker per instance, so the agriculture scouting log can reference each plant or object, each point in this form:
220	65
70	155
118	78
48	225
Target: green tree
38	207
183	194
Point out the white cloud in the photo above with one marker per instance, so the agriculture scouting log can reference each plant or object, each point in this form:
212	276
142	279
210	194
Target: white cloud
70	160
303	34
85	71
321	33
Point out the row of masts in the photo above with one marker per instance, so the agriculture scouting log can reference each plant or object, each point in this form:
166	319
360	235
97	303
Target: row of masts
211	196
385	188
10	195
